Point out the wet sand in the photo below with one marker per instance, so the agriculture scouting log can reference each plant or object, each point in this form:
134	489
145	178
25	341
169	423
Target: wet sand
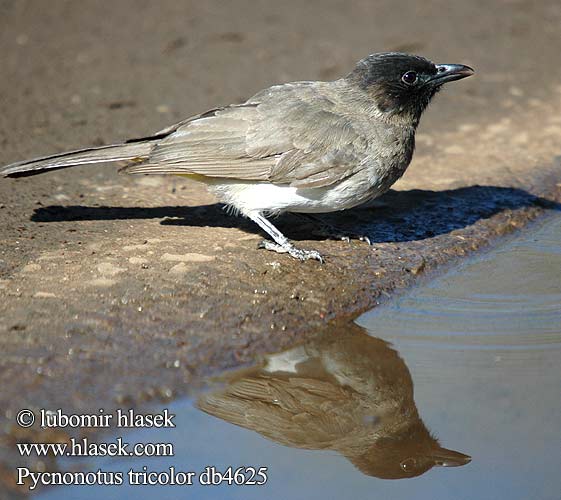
451	390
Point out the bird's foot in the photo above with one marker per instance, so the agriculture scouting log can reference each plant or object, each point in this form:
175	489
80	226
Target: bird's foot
328	231
291	250
333	233
353	236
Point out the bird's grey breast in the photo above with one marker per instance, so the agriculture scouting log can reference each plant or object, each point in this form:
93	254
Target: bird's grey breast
390	153
328	131
386	147
380	145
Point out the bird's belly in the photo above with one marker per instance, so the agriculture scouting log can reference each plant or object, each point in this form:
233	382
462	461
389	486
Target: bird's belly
271	198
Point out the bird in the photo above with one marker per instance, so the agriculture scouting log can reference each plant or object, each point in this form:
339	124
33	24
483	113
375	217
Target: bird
343	391
303	147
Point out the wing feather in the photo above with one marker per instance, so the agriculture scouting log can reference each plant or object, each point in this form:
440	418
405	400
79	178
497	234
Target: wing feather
289	134
306	413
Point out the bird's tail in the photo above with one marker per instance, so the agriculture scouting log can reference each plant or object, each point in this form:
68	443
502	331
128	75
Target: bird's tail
136	151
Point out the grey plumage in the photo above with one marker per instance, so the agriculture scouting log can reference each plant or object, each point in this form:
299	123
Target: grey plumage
295	134
300	147
344	391
88	156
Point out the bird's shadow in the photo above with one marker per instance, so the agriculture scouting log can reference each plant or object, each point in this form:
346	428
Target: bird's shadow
401	216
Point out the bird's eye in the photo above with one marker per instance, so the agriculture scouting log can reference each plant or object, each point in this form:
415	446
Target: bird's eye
408	465
409	78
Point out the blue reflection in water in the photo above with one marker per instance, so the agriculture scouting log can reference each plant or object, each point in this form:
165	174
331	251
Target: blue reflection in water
480	346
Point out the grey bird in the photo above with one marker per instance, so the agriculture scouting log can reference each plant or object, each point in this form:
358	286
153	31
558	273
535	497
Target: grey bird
344	391
305	147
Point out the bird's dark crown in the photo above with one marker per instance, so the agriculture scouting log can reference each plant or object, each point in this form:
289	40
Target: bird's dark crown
400	84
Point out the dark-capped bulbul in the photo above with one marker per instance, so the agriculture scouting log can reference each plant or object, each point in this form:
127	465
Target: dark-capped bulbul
344	391
305	147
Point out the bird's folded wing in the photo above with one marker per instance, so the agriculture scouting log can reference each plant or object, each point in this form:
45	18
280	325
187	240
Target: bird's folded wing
305	413
289	134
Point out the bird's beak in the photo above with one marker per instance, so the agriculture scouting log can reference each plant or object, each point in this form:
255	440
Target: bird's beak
450	72
449	458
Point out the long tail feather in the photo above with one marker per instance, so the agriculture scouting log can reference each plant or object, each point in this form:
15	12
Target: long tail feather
116	152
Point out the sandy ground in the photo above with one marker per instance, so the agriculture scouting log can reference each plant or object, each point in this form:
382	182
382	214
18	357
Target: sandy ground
119	290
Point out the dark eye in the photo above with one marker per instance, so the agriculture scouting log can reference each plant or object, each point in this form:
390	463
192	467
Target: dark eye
409	78
409	464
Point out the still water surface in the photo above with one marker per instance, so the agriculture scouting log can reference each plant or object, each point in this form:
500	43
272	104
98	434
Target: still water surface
468	365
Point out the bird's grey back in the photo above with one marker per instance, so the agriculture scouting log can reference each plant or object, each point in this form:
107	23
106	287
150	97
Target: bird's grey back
302	134
305	134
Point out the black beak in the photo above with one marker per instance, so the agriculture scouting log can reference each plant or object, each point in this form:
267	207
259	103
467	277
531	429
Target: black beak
449	72
449	458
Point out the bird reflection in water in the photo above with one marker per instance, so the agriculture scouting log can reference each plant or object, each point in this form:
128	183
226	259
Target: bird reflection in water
343	391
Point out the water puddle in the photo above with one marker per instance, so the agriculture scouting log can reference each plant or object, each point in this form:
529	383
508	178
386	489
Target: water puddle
467	366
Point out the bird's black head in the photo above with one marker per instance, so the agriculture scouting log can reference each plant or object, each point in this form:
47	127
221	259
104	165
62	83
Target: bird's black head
408	452
403	84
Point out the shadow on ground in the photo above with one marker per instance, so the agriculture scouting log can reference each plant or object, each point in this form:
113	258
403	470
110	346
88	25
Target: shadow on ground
402	215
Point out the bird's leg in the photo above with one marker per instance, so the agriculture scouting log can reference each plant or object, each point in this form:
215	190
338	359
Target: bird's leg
281	245
332	232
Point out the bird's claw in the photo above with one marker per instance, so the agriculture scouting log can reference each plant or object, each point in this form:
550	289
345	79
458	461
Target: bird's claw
291	250
347	237
332	232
